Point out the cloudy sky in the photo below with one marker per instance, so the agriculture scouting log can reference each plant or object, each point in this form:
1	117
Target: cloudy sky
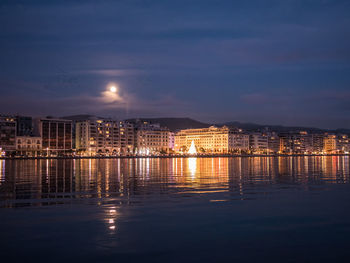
270	62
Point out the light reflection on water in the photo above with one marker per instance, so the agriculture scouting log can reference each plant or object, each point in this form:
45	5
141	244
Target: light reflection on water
32	182
210	209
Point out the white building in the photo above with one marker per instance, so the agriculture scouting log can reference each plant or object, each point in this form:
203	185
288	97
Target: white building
258	142
104	136
238	142
153	141
28	145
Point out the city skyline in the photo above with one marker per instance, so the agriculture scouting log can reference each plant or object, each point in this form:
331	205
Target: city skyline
268	62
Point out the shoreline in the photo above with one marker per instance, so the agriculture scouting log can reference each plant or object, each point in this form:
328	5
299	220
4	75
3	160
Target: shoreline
173	156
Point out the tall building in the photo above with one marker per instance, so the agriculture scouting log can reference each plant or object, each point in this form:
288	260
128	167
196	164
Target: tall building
273	142
152	141
56	135
98	136
258	142
171	141
343	143
206	140
151	138
104	136
330	143
317	143
296	142
238	142
127	137
7	135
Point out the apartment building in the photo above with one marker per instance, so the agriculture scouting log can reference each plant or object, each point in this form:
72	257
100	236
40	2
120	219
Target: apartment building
7	135
258	142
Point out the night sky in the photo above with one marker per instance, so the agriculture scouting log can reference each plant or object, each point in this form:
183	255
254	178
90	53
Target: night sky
269	62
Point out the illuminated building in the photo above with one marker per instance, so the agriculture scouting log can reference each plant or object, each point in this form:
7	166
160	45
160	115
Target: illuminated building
28	145
207	140
296	142
238	142
343	143
56	135
127	137
104	136
330	143
152	141
171	140
258	142
273	142
317	142
7	134
151	138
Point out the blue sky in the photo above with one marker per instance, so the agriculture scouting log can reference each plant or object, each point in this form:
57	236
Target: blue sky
273	62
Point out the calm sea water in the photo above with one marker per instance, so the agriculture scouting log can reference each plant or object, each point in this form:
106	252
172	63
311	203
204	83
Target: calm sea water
256	209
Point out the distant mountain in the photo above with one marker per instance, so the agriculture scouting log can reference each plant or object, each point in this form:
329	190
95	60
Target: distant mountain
175	124
279	128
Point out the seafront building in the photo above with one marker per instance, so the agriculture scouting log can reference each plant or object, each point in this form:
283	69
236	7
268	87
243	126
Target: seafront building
56	135
8	128
343	143
258	143
330	143
151	138
317	142
152	141
28	146
212	140
296	142
273	143
97	136
127	138
206	140
238	142
86	135
104	137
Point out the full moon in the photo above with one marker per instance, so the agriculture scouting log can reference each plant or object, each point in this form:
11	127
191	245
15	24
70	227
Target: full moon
113	89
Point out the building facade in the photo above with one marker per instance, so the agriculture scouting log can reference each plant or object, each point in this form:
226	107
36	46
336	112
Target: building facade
28	145
343	143
330	143
238	142
97	136
317	143
105	137
273	142
56	135
152	141
258	143
206	140
8	129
